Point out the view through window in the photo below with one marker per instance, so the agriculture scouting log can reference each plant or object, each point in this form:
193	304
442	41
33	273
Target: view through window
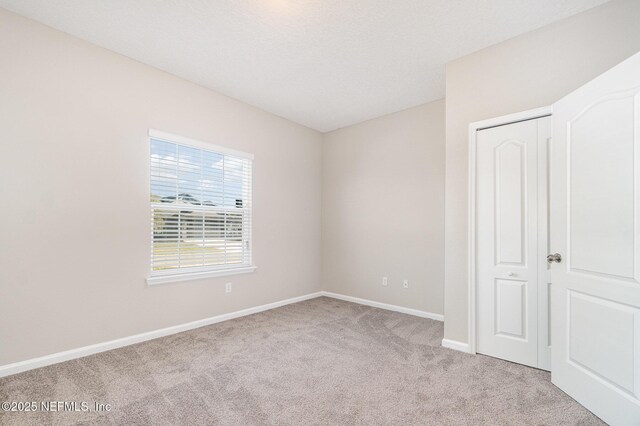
201	208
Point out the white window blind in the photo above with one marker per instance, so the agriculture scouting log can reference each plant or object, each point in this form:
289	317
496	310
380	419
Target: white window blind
200	208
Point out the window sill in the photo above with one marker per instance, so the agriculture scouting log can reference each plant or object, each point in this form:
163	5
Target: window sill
164	279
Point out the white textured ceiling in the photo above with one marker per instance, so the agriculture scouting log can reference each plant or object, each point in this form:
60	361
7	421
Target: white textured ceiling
322	63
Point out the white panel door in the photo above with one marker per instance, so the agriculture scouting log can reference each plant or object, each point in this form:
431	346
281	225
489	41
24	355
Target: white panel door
595	227
509	217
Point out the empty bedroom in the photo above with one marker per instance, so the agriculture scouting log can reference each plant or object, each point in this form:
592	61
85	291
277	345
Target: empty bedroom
357	212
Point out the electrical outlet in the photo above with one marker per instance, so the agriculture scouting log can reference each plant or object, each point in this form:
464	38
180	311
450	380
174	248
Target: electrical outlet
405	283
227	288
385	282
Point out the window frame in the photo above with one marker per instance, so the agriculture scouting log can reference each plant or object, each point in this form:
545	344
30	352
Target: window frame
198	272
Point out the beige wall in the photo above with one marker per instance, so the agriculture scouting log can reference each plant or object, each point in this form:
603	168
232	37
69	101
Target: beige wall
529	71
383	208
74	165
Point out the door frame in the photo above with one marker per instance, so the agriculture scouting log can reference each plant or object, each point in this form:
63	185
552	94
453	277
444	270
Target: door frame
472	216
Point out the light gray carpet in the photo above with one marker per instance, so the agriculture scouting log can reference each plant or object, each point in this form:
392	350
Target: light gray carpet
322	361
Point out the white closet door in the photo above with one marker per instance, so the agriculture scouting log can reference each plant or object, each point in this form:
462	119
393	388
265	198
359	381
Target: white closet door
508	256
595	227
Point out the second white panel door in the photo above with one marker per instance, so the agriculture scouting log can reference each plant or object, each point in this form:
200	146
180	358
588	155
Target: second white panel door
511	212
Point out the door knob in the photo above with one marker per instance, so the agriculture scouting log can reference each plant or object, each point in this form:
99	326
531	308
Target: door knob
555	257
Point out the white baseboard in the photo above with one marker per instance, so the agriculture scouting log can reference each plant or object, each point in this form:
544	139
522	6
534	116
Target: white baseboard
30	364
402	309
455	345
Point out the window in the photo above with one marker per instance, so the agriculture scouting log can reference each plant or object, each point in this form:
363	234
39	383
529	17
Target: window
200	209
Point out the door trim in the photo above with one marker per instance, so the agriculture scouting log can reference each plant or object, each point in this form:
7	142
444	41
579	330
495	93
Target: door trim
472	276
